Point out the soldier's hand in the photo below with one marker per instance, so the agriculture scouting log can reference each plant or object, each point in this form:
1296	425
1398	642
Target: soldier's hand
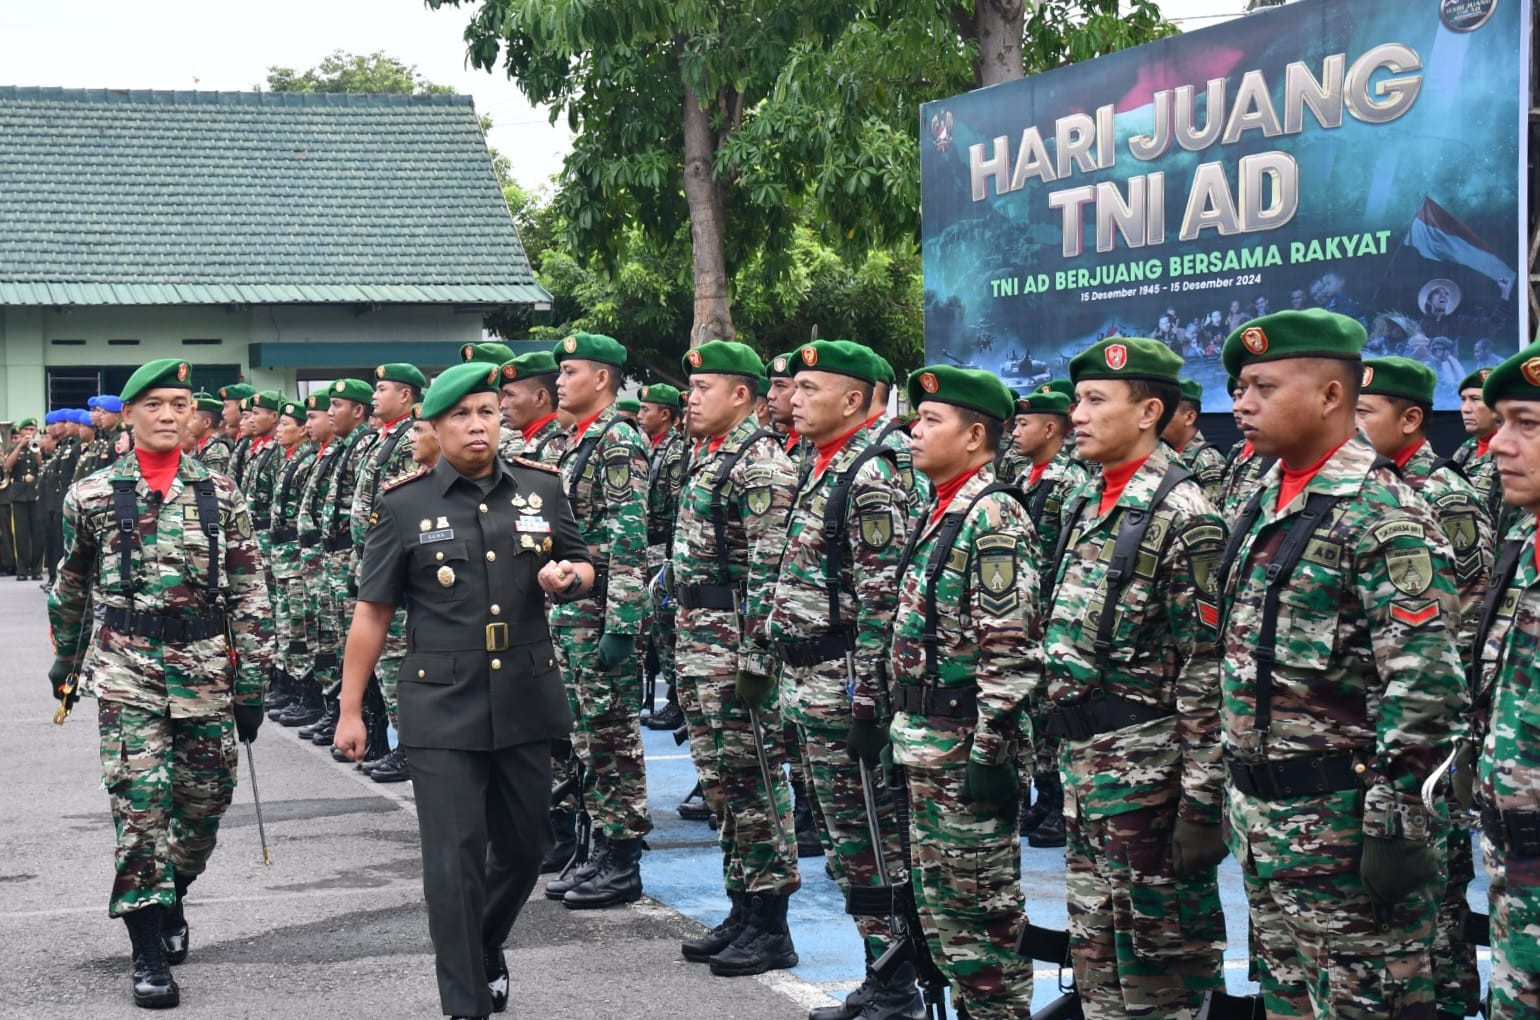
555	578
1393	868
753	688
248	720
1195	848
993	788
865	741
615	649
58	674
351	737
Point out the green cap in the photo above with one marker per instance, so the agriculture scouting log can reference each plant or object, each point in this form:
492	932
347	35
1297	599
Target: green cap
293	410
1307	333
486	353
842	357
318	401
32	422
1038	402
1192	390
1399	377
401	372
355	390
270	399
591	347
661	393
236	391
628	405
885	367
1518	378
962	387
723	357
163	373
529	366
1127	357
783	366
1063	386
1475	380
208	402
457	382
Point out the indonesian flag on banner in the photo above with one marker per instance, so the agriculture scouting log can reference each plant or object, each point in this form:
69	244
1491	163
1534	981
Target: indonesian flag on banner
1438	235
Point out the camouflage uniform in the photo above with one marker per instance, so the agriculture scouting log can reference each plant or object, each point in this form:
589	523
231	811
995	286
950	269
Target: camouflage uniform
240	456
665	476
1366	686
1207	465
291	607
335	525
715	643
1242	474
609	500
1510	783
966	864
510	443
816	696
216	452
164	708
261	484
894	434
1144	941
387	460
1481	470
547	443
322	636
97	454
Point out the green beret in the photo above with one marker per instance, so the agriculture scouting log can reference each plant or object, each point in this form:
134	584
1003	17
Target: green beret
1063	386
530	366
783	366
1038	402
1475	380
400	372
32	422
293	410
270	399
1518	378
972	388
1399	377
841	357
236	391
163	373
356	390
591	347
723	357
1232	384
885	367
457	382
318	401
1127	357
1192	390
1307	333
764	386
661	393
208	402
486	353
628	405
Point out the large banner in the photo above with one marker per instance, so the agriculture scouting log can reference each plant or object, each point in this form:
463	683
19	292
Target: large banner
1357	155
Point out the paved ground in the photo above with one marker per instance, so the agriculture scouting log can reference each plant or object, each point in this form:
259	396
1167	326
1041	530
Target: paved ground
336	925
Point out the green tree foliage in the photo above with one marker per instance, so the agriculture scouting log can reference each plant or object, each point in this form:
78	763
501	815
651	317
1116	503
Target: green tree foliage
352	72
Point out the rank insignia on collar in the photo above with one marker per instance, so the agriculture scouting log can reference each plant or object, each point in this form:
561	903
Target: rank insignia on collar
443	522
424	525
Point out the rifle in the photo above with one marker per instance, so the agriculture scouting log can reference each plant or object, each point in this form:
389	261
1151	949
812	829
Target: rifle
1046	945
909	944
573	785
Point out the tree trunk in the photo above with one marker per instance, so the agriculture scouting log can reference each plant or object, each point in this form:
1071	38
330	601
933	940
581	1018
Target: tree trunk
999	25
703	192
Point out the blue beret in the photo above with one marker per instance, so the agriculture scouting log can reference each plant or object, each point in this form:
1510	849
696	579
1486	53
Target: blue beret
91	402
50	418
109	403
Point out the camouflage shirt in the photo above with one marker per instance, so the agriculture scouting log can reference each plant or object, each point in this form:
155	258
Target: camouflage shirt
1481	470
170	565
609	502
1163	652
293	475
986	635
1207	465
216	453
1510	757
387	459
1242	474
547	443
261	486
894	434
1458	509
665	476
1046	502
336	512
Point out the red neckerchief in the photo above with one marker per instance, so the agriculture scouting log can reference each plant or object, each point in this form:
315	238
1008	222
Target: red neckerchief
257	442
1404	454
536	425
1483	444
158	468
714	443
204	441
947	491
1294	482
582	426
1115	480
1247	451
874	419
1037	472
657	439
392	424
288	451
792	439
826	451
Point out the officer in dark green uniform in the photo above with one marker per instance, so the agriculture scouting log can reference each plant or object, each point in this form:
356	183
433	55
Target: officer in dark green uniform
471	548
24	465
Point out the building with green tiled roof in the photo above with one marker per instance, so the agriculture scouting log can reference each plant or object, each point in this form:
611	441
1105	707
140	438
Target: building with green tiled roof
271	237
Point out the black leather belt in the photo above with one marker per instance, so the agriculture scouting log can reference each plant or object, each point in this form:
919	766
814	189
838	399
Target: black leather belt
262	522
1103	713
707	596
285	535
949	702
309	539
337	543
1295	777
164	628
812	651
1514	832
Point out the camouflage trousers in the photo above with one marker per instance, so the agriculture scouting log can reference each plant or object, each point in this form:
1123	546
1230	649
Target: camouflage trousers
292	624
170	780
1045	748
967	886
607	734
325	617
835	783
1457	984
662	634
1514	898
1143	942
754	857
1324	949
702	744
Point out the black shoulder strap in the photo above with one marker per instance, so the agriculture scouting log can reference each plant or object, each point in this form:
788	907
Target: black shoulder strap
581	455
125	511
719	498
1039	502
285	483
1448	464
208	520
834	522
387	447
1125	557
1502	576
1066	531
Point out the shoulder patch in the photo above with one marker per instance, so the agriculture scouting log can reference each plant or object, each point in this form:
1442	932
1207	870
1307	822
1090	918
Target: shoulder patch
996	569
400	480
1410	570
1390	530
1204	533
758	473
534	465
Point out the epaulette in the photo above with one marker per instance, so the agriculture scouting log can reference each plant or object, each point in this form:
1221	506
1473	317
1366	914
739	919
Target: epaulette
537	465
396	483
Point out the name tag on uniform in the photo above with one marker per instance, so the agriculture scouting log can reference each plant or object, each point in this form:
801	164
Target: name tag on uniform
533	524
442	535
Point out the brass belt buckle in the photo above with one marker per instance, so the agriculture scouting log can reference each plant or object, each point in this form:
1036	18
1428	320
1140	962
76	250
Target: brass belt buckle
497	637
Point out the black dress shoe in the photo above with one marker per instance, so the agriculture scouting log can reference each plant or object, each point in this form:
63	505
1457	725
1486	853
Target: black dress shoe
497	976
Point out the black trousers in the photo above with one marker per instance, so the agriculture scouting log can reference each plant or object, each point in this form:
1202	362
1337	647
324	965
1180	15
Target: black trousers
483	819
28	519
53	541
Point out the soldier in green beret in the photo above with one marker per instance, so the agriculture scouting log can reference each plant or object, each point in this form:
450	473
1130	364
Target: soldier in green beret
293	652
1341	683
1509	649
604	475
1244	468
1193	451
961	663
659	421
1473	455
232	397
628	409
176	661
210	444
488	353
529	406
894	433
781	372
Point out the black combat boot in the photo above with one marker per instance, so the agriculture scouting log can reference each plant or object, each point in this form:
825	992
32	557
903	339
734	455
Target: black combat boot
854	1001
1050	832
699	950
808	844
154	987
496	965
174	933
694	807
669	717
307	710
564	828
617	880
897	998
280	694
1032	817
765	942
324	728
579	870
393	768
